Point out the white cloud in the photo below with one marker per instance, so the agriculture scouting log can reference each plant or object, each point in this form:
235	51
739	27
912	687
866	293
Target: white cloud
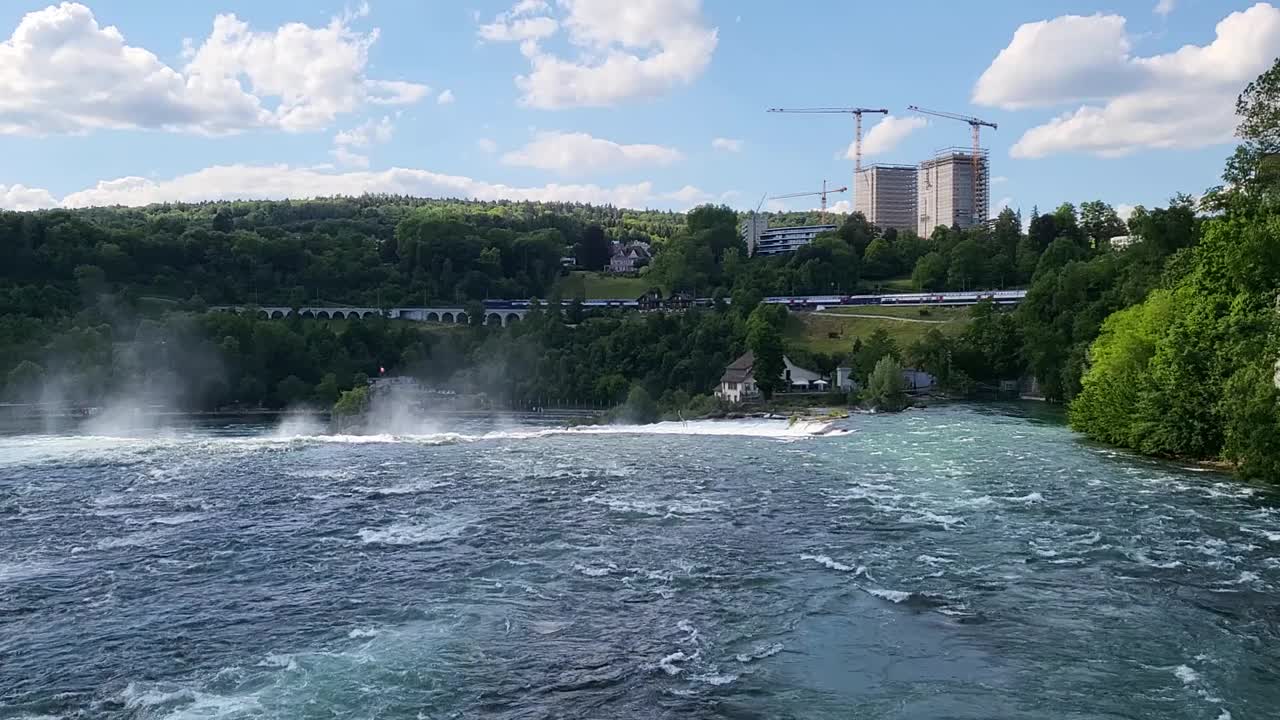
519	29
347	157
1001	204
21	197
370	133
580	153
1125	211
1163	7
62	72
886	134
1044	65
727	144
445	98
688	196
515	25
274	182
841	206
638	49
999	179
487	145
1180	99
363	136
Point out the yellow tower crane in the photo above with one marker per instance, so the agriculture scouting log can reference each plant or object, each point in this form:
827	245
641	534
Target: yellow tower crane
823	193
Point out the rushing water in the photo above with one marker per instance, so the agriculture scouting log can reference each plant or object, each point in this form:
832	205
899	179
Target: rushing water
950	563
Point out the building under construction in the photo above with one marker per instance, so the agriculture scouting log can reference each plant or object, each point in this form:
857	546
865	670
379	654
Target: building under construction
886	196
953	188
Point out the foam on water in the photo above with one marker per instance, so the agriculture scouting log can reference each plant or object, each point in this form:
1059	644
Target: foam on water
759	653
414	533
771	429
668	663
827	562
893	596
595	571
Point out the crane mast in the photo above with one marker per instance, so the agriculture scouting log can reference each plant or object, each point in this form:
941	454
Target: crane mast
823	193
856	112
975	126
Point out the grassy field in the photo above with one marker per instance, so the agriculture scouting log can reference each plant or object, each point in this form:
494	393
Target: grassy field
600	286
829	334
907	312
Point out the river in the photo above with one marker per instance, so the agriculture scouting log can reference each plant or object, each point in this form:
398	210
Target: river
958	562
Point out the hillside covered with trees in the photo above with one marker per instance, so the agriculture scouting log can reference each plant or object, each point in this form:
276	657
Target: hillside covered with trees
1165	344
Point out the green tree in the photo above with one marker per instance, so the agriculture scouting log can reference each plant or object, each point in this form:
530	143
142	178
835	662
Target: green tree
24	381
1099	223
930	272
327	391
475	313
966	265
353	403
764	337
640	408
886	390
593	251
867	353
880	261
292	390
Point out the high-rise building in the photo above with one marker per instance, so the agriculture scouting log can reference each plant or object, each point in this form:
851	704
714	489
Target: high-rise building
751	228
946	192
886	196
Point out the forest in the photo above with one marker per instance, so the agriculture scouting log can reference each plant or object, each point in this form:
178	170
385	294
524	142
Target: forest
1158	332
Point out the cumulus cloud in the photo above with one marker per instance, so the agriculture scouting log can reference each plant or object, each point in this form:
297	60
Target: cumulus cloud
1043	64
487	145
278	182
21	197
363	136
445	98
887	134
580	153
63	72
688	197
727	144
638	49
1163	7
841	206
1125	211
1180	99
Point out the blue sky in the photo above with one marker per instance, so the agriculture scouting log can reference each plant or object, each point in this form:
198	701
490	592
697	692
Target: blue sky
611	101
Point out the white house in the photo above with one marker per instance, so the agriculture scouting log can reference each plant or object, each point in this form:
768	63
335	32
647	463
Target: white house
739	384
627	259
800	379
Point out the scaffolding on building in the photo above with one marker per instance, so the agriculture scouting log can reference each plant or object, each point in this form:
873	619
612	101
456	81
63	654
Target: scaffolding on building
887	195
949	194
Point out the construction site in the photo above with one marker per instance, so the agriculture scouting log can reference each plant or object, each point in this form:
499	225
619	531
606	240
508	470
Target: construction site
952	188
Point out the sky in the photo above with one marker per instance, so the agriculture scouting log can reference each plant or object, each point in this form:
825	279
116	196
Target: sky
637	103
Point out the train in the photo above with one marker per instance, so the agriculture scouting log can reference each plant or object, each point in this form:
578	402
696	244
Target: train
796	302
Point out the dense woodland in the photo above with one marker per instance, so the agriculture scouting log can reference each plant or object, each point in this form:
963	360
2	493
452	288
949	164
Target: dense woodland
1165	345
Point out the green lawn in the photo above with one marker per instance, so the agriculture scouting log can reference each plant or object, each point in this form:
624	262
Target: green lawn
904	311
828	334
601	286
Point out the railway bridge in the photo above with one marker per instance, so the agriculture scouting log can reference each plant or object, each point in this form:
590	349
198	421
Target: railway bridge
446	315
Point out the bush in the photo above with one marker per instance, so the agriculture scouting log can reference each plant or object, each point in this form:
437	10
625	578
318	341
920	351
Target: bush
885	389
352	403
640	408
